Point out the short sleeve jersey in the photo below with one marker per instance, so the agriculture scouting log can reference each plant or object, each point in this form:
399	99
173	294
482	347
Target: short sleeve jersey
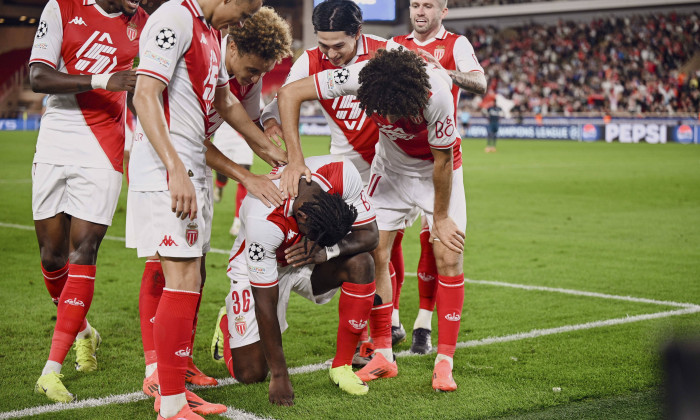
248	95
79	37
404	146
182	50
268	232
350	127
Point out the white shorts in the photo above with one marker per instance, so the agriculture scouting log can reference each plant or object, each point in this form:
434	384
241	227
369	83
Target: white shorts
233	145
151	225
89	194
399	198
240	306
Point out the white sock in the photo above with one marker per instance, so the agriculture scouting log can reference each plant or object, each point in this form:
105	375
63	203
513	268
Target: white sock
51	366
84	333
151	368
441	357
395	322
424	319
172	404
387	353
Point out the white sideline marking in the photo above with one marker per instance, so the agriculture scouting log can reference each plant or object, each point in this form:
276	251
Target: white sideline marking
233	413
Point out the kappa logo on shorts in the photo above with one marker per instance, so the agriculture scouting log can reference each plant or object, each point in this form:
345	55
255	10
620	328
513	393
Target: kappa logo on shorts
192	233
241	325
256	252
167	241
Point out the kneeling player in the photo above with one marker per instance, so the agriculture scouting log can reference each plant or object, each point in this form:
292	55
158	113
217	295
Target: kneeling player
312	245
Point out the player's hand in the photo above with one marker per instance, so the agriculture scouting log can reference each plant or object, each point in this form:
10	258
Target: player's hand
264	189
289	184
122	81
429	58
273	131
183	199
281	391
273	155
446	231
305	252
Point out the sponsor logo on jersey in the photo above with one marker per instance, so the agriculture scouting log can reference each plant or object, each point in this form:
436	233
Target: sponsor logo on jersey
454	316
426	277
241	325
132	31
439	52
358	325
192	233
167	241
74	302
42	29
78	21
257	270
347	109
166	39
97	53
164	62
186	352
394	133
256	252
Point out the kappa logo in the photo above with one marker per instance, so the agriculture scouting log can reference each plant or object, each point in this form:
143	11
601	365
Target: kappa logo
78	21
203	40
167	241
184	352
74	302
426	277
290	235
454	316
153	320
358	325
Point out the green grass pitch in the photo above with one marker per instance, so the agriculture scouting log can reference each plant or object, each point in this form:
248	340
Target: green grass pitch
614	219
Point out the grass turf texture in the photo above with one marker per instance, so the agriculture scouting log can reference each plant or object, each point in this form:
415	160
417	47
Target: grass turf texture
609	218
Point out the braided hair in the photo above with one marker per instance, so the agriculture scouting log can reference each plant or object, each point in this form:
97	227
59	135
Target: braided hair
329	218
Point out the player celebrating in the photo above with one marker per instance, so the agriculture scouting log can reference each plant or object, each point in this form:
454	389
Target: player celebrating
417	166
313	245
181	83
249	51
82	56
455	54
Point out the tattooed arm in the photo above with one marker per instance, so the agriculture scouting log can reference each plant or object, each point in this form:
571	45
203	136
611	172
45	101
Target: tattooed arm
473	81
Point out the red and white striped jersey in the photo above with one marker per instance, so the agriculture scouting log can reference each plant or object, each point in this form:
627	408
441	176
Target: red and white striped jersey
266	232
182	50
79	37
404	146
351	130
454	52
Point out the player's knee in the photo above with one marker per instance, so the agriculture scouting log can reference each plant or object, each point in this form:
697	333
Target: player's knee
53	260
85	253
250	373
359	268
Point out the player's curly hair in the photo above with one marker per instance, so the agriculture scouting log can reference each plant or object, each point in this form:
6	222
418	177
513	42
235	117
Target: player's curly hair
336	16
394	83
266	34
329	218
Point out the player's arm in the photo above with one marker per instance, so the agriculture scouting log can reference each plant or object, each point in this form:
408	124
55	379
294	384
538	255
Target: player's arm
444	228
260	186
152	118
474	81
362	238
233	112
44	79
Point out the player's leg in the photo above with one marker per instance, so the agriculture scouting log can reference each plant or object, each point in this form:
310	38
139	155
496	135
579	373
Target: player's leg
427	287
152	283
398	332
193	374
355	277
219	185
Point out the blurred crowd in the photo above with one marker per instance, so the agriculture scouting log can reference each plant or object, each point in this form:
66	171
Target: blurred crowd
476	3
617	65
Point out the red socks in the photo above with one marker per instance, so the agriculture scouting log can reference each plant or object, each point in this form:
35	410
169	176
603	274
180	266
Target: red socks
220	184
380	325
240	195
228	357
152	284
397	262
55	280
427	273
173	338
74	304
450	299
354	309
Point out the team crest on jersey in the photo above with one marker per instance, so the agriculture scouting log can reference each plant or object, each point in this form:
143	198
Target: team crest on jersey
417	120
439	52
192	233
241	325
166	39
341	76
131	31
256	252
42	30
